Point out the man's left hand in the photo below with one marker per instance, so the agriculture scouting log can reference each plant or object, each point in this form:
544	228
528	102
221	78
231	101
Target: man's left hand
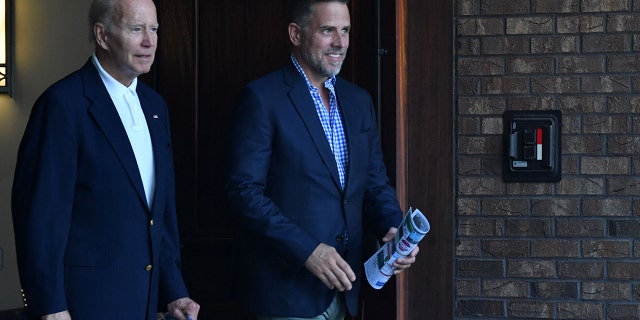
402	263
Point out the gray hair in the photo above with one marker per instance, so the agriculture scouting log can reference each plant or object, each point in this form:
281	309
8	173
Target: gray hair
101	11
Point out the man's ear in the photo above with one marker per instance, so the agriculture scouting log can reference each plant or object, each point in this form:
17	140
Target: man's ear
295	33
100	34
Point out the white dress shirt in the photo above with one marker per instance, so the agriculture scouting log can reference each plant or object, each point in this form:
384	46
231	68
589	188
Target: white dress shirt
128	106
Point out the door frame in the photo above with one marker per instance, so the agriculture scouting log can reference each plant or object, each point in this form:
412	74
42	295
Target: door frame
425	133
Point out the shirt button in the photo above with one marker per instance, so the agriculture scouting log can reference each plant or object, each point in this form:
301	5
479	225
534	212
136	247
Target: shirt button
148	268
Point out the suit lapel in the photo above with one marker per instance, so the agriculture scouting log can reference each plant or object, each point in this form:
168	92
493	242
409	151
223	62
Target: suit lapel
350	127
104	112
155	122
306	109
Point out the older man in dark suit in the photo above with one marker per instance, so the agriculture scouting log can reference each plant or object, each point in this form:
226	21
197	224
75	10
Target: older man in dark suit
93	197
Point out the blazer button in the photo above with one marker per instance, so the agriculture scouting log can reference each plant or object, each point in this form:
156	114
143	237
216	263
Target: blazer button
151	222
148	268
339	238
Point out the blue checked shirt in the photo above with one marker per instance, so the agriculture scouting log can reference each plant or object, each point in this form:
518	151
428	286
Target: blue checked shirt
331	121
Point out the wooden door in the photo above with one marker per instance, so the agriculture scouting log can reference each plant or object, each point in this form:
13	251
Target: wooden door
207	51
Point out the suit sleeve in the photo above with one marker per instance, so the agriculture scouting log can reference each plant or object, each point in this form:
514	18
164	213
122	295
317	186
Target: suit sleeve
381	208
42	199
172	286
248	162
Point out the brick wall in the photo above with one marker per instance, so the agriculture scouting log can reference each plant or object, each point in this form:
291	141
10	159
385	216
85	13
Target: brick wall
566	250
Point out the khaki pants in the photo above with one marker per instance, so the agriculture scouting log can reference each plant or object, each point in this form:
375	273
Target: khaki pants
336	311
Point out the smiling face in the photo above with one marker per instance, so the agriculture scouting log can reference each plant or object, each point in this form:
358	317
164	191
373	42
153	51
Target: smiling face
321	43
127	47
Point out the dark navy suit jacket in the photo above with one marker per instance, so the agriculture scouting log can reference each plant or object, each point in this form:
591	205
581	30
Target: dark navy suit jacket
85	238
285	193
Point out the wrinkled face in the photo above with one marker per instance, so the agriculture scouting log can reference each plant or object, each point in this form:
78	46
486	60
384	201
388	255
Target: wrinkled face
130	43
322	43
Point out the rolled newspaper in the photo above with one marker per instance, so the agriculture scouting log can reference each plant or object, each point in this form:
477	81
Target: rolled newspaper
379	267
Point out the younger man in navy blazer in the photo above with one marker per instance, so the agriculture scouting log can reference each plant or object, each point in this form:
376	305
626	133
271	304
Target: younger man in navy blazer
306	176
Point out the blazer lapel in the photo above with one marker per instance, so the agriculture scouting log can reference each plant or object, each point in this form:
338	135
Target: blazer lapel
104	112
349	124
156	127
303	102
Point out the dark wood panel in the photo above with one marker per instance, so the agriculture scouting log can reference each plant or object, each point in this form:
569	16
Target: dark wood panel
239	40
173	77
429	139
371	65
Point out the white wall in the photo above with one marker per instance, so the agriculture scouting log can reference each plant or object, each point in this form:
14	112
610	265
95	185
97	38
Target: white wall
51	40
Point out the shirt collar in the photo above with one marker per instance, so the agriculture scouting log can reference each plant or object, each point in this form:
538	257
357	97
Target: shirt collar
330	83
116	89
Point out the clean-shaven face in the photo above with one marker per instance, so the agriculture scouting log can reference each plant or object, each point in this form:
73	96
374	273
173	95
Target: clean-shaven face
132	40
325	40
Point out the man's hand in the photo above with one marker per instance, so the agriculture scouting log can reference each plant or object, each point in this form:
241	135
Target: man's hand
326	264
402	263
184	307
64	315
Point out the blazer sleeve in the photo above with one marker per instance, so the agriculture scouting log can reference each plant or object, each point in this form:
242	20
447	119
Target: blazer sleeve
172	286
248	162
42	199
381	209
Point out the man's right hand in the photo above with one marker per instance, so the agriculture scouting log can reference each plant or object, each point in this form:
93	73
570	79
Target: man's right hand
64	315
326	264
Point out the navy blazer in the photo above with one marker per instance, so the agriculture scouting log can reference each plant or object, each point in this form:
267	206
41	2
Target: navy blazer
284	191
86	240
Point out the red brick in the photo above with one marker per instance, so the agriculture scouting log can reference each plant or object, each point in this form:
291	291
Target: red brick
607	207
606	165
606	249
504	288
581	270
606	291
547	85
555	6
531	269
554	44
580	24
573	228
606	43
499	7
555	248
530	25
605	5
531	309
482	106
480	227
468	288
555	207
580	310
480	27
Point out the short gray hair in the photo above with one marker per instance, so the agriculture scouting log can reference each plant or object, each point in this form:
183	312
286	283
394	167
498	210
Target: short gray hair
101	11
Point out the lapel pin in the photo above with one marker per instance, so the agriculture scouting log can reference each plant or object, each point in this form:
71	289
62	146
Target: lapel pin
155	116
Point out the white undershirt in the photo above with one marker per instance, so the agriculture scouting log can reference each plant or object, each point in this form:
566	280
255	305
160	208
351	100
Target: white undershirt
128	106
